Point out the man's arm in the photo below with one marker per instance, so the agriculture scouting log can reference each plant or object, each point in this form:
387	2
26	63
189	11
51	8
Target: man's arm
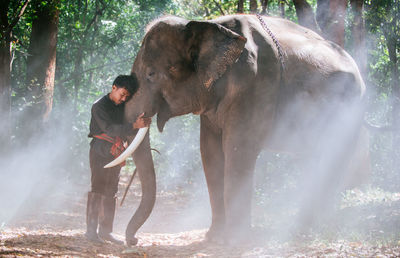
107	125
142	121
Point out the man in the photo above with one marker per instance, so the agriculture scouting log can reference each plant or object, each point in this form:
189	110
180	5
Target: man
107	127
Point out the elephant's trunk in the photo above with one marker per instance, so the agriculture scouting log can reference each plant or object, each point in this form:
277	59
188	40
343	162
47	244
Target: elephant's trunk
145	166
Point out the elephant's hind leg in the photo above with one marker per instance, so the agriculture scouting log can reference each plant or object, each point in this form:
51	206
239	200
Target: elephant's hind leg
240	158
213	163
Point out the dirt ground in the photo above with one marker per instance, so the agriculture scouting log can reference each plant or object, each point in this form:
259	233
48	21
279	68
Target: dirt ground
176	228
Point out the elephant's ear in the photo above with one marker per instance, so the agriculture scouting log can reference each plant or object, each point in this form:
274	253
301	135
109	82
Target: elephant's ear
212	48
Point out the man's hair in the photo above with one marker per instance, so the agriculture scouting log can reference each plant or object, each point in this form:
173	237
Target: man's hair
129	82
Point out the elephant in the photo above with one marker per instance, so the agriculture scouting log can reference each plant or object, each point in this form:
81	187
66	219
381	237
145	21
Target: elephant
256	82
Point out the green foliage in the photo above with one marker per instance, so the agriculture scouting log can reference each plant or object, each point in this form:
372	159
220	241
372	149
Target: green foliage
382	23
206	9
97	40
203	9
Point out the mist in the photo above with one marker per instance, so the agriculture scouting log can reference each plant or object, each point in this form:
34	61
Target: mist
302	187
37	173
297	189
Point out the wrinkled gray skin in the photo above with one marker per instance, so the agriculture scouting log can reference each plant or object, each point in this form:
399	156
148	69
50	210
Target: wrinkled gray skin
228	71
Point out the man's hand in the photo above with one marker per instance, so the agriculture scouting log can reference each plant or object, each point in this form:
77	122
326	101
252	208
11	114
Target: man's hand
142	122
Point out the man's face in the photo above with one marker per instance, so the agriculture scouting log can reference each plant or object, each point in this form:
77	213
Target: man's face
119	95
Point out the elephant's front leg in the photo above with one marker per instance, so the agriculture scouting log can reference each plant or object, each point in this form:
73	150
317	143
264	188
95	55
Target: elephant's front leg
240	158
213	163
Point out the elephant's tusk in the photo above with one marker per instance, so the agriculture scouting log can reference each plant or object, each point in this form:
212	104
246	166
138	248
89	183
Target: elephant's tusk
131	148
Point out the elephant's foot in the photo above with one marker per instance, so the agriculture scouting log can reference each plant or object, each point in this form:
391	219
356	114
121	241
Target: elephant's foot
93	237
215	235
131	241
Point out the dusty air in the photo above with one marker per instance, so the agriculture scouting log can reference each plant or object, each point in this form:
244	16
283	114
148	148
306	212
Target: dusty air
215	128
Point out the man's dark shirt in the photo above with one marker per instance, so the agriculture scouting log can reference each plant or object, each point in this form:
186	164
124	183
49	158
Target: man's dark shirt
108	118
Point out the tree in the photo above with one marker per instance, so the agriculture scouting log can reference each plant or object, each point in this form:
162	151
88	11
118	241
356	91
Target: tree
240	6
6	30
89	22
41	61
253	6
264	4
383	20
358	35
331	16
305	15
282	8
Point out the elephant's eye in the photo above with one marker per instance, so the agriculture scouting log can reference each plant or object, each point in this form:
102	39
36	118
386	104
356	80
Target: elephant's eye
151	76
173	71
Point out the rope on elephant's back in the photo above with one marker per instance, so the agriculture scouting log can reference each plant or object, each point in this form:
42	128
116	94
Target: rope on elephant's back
274	39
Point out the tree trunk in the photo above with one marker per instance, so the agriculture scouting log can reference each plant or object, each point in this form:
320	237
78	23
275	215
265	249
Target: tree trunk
6	27
358	33
264	4
392	46
331	17
305	14
41	61
5	75
338	10
282	8
322	14
240	6
5	92
253	6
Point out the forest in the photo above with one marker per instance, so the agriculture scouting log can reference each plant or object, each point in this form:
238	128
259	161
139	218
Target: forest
59	56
